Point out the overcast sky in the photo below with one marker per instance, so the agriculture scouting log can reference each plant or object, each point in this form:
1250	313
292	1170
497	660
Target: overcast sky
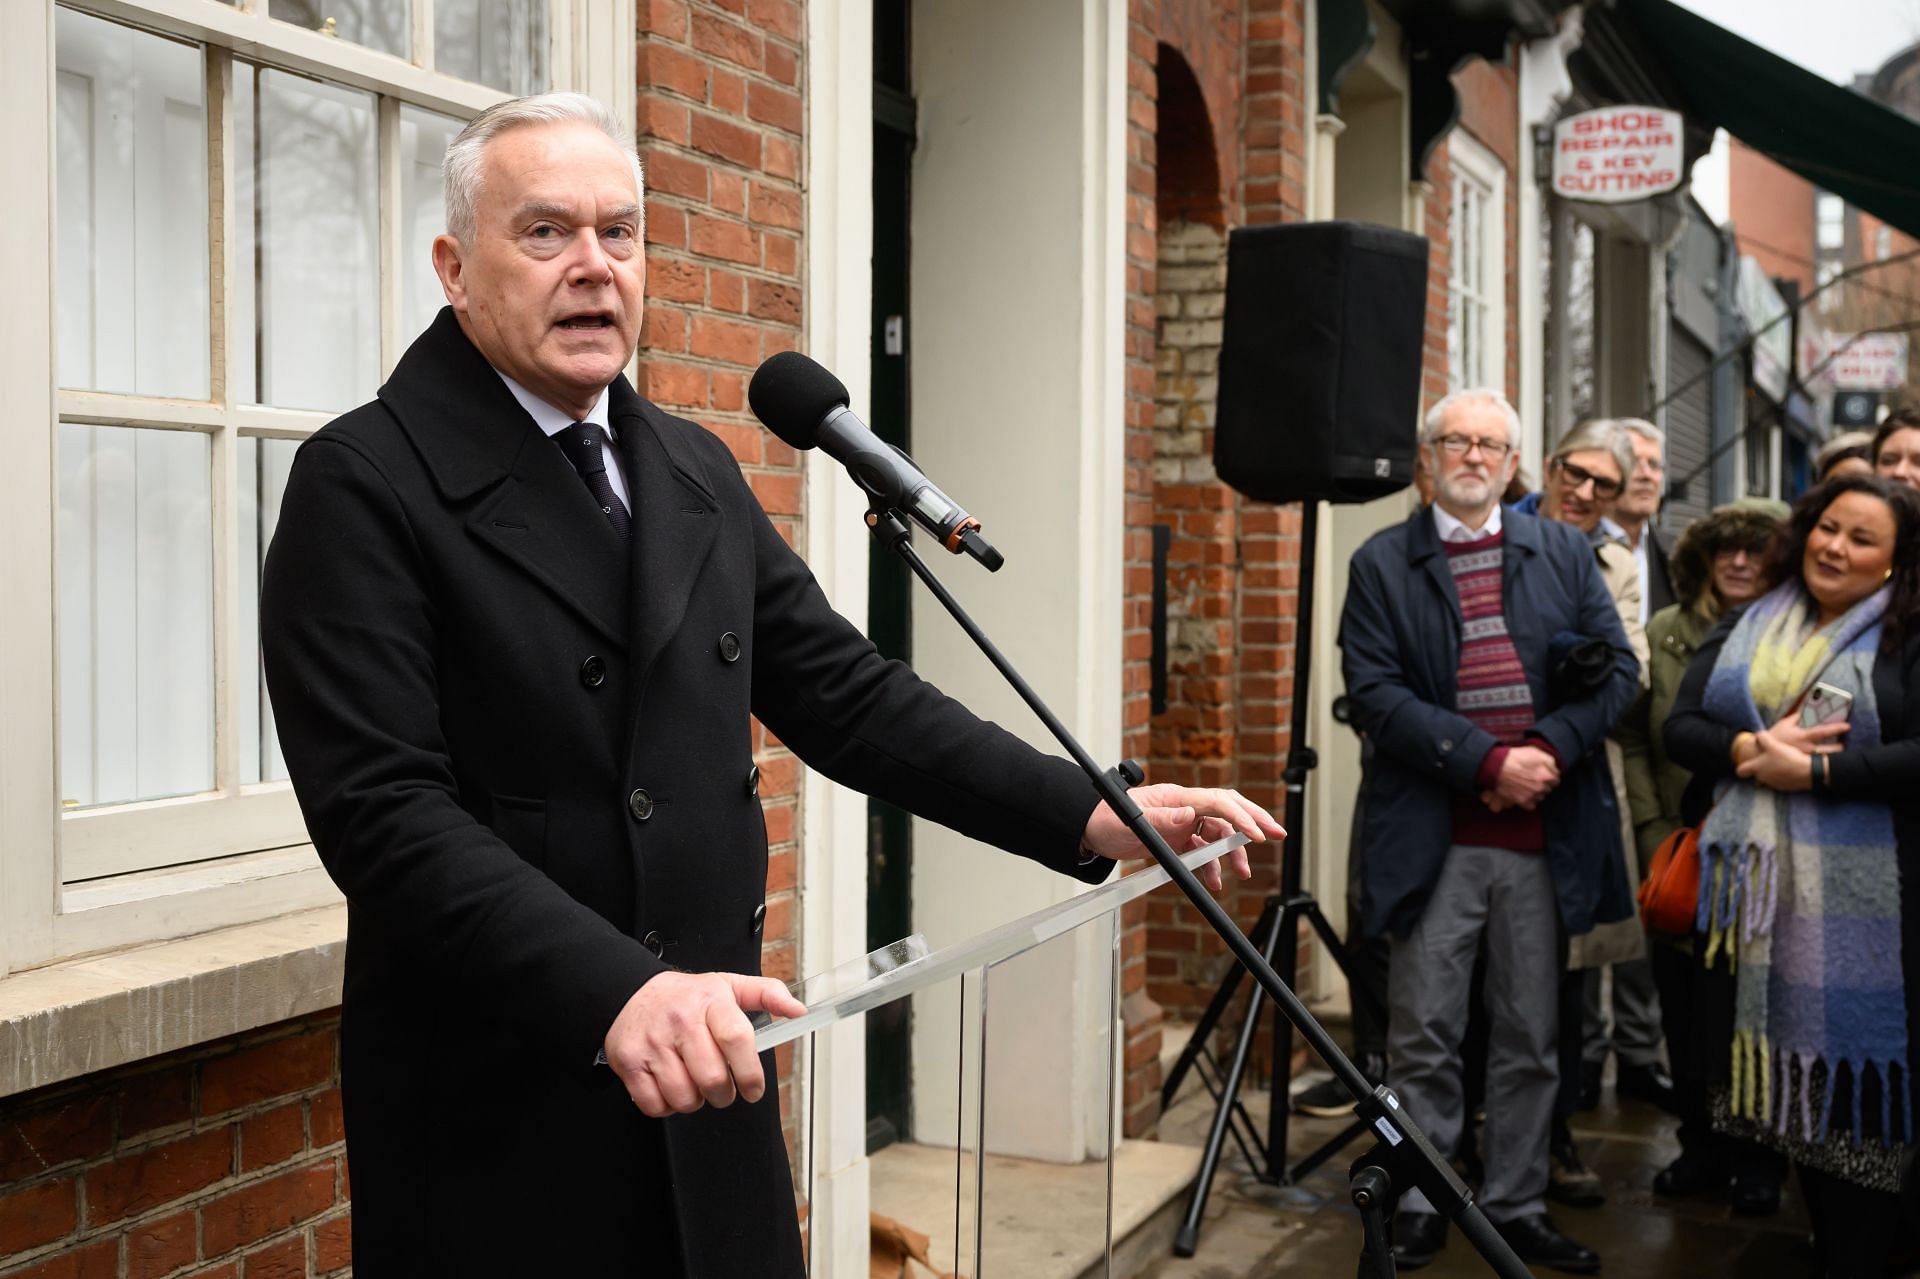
1836	38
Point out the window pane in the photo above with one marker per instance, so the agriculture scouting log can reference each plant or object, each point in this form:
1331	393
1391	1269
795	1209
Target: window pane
498	42
307	186
132	205
263	466
136	614
424	137
386	25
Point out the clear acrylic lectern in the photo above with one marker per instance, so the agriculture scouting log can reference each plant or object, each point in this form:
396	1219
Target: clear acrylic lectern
991	1035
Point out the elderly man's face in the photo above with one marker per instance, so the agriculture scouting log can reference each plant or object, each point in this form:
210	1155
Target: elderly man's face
1473	458
1641	500
552	287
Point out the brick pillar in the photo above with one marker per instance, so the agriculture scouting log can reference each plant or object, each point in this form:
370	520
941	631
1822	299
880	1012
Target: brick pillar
720	122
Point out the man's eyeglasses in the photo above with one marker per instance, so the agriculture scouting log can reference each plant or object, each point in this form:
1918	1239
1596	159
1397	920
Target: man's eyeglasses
1603	488
1457	445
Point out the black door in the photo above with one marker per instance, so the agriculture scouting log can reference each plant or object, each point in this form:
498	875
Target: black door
889	602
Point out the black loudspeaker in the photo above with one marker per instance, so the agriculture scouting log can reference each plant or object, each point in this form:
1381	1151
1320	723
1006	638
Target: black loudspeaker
1320	361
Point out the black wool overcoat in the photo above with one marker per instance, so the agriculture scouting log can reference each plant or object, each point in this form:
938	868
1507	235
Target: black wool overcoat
523	751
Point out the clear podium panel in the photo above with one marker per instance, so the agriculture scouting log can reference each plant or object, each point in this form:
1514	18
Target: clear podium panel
1006	1164
1048	1102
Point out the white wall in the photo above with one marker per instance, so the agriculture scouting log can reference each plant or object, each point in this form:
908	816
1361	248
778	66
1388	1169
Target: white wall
1017	260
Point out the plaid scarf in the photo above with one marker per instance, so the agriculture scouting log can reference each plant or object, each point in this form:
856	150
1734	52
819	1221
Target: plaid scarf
1803	891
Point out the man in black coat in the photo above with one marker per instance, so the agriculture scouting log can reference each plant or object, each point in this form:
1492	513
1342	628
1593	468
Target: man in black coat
513	684
1488	816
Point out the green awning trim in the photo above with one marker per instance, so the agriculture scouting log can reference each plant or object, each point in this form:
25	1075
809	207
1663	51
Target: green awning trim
1441	36
1345	33
1835	138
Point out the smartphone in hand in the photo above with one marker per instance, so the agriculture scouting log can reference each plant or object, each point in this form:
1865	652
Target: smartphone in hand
1825	704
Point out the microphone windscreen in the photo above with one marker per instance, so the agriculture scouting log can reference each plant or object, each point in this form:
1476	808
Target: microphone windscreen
791	394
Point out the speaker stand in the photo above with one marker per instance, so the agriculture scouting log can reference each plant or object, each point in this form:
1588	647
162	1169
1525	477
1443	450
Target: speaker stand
1276	935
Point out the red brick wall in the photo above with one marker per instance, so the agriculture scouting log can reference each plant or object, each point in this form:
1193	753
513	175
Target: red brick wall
224	1161
1772	213
1234	561
720	118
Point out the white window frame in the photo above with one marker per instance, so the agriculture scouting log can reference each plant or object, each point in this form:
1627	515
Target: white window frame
1472	163
239	854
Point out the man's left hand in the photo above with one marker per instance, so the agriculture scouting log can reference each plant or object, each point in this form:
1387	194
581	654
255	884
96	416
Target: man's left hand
1187	818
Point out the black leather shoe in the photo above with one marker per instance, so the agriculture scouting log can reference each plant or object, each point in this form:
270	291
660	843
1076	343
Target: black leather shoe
1689	1175
1754	1197
1329	1099
1418	1237
1569	1180
1539	1243
1589	1085
1651	1084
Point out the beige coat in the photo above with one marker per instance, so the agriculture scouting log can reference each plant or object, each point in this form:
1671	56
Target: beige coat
1624	939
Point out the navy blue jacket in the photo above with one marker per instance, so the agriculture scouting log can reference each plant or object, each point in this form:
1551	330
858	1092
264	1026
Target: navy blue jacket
1400	646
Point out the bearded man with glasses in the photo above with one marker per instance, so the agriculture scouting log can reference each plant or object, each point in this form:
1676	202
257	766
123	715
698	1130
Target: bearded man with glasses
1472	811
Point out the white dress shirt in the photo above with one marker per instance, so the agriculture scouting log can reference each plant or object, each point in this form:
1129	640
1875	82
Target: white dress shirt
552	421
1453	530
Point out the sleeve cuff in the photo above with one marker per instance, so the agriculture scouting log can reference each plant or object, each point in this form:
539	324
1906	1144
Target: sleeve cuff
1489	772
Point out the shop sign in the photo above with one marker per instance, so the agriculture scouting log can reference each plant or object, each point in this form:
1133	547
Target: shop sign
1857	361
1765	313
1612	155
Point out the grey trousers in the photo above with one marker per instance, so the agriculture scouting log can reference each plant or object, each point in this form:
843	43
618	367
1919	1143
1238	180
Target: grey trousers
1635	1037
1509	898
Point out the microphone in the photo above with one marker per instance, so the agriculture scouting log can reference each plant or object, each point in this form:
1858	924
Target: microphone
805	405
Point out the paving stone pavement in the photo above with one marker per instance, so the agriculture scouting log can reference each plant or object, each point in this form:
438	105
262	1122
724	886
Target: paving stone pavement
1252	1229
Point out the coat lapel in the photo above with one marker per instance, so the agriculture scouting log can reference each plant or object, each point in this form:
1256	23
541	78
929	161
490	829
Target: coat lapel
544	520
676	521
526	500
1424	551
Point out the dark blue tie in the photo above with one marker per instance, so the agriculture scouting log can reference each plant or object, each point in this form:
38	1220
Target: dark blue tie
586	445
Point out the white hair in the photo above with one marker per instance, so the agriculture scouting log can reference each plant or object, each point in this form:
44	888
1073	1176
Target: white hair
1646	431
465	162
1437	415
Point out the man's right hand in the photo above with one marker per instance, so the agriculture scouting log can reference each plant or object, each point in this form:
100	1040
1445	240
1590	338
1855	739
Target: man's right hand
683	1040
1526	775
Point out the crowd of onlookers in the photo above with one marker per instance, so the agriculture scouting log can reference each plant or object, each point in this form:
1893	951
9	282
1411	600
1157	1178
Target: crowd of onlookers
1557	703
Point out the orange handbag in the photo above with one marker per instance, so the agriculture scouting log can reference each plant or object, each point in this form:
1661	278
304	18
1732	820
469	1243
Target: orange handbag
1670	894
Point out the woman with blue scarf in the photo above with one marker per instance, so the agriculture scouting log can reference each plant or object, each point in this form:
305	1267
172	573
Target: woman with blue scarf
1809	913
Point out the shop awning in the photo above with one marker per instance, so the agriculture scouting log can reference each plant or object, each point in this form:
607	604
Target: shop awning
1837	139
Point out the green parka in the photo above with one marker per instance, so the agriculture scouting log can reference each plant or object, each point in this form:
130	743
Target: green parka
1655	784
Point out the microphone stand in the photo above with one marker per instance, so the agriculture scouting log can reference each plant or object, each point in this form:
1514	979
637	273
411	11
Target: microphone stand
1401	1157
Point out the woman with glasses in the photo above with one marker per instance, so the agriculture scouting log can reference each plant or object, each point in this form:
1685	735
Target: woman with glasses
1585	474
1719	565
1804	710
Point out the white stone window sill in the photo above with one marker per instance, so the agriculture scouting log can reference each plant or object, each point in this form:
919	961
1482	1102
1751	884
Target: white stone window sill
83	1015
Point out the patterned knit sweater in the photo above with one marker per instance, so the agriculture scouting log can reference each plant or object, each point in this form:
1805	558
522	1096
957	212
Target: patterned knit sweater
1493	695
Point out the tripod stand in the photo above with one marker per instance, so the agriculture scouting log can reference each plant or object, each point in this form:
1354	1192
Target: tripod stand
1402	1157
1275	934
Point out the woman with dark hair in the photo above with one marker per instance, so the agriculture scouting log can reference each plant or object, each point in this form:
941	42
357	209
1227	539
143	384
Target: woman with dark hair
1896	447
1719	564
1810	858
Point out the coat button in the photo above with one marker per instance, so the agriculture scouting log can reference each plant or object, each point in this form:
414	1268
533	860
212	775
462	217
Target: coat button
593	672
729	647
640	804
653	942
759	918
753	780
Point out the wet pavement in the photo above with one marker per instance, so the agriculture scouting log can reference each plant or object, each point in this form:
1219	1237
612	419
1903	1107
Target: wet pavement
1252	1229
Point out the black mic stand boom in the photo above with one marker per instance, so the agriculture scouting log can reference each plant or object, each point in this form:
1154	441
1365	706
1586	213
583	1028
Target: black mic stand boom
1402	1157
